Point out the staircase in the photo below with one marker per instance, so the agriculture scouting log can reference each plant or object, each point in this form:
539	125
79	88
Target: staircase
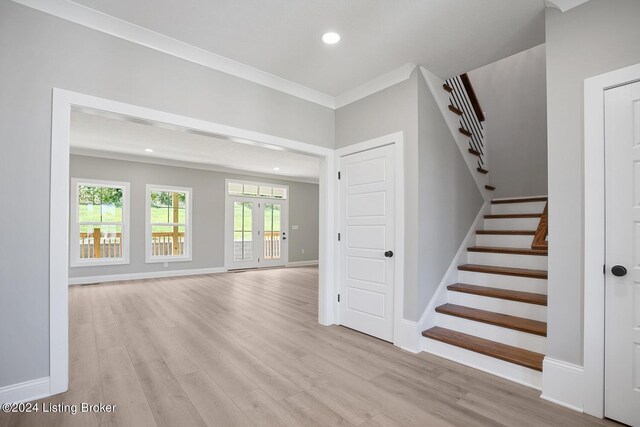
495	314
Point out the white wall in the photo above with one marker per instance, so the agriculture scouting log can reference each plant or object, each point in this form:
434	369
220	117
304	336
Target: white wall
39	52
513	94
592	39
208	212
449	200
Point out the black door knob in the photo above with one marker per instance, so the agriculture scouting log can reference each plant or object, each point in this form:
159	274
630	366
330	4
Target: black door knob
618	271
388	254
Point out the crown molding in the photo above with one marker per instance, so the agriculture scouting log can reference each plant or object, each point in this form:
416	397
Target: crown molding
77	151
102	22
564	5
99	21
375	85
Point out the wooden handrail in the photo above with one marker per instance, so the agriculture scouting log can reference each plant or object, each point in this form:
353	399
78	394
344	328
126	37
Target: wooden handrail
540	241
472	96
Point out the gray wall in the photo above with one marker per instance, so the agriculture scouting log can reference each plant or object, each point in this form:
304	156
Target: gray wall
594	38
513	93
449	199
392	110
39	52
441	197
208	212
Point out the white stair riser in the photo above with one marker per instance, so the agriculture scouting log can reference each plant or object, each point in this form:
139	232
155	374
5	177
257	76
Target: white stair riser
506	336
524	284
497	305
505	241
489	364
511	223
517	208
535	262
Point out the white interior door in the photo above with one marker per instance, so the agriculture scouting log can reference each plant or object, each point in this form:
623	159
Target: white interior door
256	232
367	236
622	293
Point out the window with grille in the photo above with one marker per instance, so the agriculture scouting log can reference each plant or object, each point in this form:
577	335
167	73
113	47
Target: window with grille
168	223
100	222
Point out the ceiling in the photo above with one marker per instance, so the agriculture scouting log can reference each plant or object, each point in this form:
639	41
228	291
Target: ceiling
283	37
107	134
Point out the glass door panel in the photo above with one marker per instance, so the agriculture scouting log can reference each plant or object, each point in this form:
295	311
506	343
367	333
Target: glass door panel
243	231
272	240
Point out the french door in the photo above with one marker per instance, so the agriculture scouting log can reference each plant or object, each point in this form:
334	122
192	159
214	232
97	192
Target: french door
256	232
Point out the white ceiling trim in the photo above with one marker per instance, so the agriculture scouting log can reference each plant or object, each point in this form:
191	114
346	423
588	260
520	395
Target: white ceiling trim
125	30
564	5
116	27
181	164
376	85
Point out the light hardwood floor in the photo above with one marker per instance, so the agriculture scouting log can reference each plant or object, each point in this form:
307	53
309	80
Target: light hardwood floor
245	349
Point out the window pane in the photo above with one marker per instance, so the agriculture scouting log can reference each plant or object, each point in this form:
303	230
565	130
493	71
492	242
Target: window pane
235	188
99	204
250	190
168	241
272	237
242	236
279	193
265	191
168	207
100	241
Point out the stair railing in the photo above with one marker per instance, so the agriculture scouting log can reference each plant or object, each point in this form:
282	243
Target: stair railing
463	97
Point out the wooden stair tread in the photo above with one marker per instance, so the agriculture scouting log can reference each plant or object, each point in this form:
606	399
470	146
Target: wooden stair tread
483	171
510	251
506	294
508	232
498	319
455	110
506	216
490	187
519	200
508	353
447	88
465	132
505	271
474	152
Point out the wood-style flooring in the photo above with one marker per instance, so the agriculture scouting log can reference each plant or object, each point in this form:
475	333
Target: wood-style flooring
246	349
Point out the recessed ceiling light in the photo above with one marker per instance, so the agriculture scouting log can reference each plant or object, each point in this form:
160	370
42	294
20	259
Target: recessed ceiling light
331	38
276	169
149	150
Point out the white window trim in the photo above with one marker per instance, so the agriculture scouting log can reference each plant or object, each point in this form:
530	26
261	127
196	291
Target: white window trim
256	183
75	260
187	227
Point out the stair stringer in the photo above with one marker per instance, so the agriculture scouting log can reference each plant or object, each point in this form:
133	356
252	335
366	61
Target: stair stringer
442	99
428	318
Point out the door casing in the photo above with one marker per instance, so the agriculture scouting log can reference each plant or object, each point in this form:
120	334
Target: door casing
404	331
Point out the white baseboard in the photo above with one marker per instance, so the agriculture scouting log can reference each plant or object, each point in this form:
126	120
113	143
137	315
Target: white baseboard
302	263
25	391
563	383
146	275
407	337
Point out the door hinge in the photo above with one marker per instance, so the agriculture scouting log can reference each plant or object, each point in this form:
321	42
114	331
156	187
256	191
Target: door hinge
338	297
604	269
338	237
339	175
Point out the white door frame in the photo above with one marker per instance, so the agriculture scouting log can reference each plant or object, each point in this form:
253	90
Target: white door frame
594	232
397	139
63	102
